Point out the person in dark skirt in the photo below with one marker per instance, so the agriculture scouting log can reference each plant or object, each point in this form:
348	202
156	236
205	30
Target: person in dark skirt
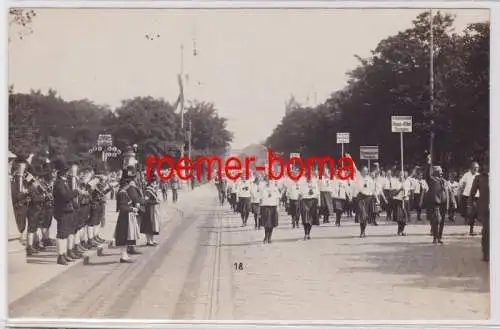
401	189
127	229
269	201
150	223
231	193
255	195
326	204
292	193
341	195
244	200
309	195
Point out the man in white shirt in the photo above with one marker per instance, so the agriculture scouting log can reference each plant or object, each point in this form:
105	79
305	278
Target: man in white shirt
465	186
419	189
326	205
292	194
389	191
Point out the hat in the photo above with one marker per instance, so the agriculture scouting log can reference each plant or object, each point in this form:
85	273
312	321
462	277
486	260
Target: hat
129	173
61	164
437	168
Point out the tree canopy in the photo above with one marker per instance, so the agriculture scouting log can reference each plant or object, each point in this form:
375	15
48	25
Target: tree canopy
394	80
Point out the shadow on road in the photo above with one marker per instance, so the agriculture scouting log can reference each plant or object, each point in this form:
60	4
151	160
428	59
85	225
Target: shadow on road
457	265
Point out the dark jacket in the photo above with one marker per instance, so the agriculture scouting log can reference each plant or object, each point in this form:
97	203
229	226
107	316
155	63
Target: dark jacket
63	197
481	183
439	192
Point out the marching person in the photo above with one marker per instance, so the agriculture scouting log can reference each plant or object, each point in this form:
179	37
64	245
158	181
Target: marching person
174	185
127	229
364	190
48	181
470	201
378	194
402	190
231	192
76	220
455	187
420	187
438	198
150	223
255	195
481	185
326	204
341	196
64	211
292	194
97	207
389	191
20	197
309	194
270	197
244	200
34	214
81	235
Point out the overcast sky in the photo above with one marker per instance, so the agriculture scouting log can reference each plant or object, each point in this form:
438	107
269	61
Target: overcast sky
249	62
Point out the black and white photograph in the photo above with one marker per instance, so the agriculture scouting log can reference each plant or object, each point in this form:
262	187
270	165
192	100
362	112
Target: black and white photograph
249	164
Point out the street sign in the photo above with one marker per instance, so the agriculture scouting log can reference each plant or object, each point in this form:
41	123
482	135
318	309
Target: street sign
368	152
342	138
401	124
105	140
294	155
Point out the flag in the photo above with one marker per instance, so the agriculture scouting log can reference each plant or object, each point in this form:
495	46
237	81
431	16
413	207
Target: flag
179	103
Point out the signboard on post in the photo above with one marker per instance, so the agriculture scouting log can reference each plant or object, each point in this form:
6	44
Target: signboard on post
294	155
342	138
105	140
401	124
368	152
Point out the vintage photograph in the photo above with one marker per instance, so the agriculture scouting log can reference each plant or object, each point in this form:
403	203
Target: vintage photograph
249	164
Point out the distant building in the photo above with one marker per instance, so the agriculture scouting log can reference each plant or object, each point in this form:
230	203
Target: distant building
291	105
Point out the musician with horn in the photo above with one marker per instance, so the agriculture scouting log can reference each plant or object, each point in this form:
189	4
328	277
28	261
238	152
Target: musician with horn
34	215
150	223
64	211
47	180
99	187
83	213
20	197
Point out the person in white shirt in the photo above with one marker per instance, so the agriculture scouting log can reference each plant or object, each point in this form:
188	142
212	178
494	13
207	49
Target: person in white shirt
326	204
309	195
419	189
453	181
255	194
231	194
389	191
269	200
364	190
377	197
402	191
470	201
341	195
292	194
244	199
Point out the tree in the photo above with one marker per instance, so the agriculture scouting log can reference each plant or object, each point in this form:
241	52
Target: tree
20	21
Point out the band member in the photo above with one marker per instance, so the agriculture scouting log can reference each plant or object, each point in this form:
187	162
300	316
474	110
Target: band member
469	201
75	222
36	197
438	199
48	181
127	229
101	187
270	197
83	214
64	211
364	190
244	199
341	195
309	194
325	188
150	221
481	184
292	194
20	197
255	195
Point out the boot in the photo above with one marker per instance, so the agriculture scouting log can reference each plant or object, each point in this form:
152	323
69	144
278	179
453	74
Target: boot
48	242
80	249
67	258
61	260
73	255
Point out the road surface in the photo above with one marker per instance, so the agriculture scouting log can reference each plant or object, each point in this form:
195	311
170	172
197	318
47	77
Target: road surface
335	275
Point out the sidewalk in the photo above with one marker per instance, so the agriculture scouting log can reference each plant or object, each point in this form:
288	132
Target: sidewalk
24	274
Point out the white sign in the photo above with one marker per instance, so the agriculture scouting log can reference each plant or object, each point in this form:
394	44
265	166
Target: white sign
342	138
401	124
105	140
368	152
294	155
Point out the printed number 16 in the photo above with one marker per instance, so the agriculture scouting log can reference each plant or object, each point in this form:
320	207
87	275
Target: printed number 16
238	266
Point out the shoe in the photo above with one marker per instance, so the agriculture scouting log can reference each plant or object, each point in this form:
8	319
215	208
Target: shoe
375	224
81	249
265	241
133	251
434	241
48	243
440	241
67	258
308	237
61	260
403	234
126	261
30	251
305	237
73	255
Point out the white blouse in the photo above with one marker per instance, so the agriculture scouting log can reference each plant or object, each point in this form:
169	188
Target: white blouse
269	195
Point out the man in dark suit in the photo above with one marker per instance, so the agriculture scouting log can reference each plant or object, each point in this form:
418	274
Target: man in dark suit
438	199
481	184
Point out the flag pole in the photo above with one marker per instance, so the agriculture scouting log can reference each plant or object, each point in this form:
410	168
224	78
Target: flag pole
431	83
182	99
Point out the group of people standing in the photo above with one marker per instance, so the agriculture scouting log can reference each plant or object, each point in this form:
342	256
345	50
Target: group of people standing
76	196
367	195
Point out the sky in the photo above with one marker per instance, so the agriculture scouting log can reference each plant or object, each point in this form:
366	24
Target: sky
248	62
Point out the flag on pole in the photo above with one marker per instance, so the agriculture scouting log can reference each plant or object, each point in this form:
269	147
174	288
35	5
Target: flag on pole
179	103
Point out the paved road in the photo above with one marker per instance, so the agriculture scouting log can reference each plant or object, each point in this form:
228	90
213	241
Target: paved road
335	275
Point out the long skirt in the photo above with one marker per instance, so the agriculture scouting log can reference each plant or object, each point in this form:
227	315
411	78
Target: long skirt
326	207
399	211
293	208
364	207
232	199
268	216
339	205
255	208
244	205
127	229
308	207
150	223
